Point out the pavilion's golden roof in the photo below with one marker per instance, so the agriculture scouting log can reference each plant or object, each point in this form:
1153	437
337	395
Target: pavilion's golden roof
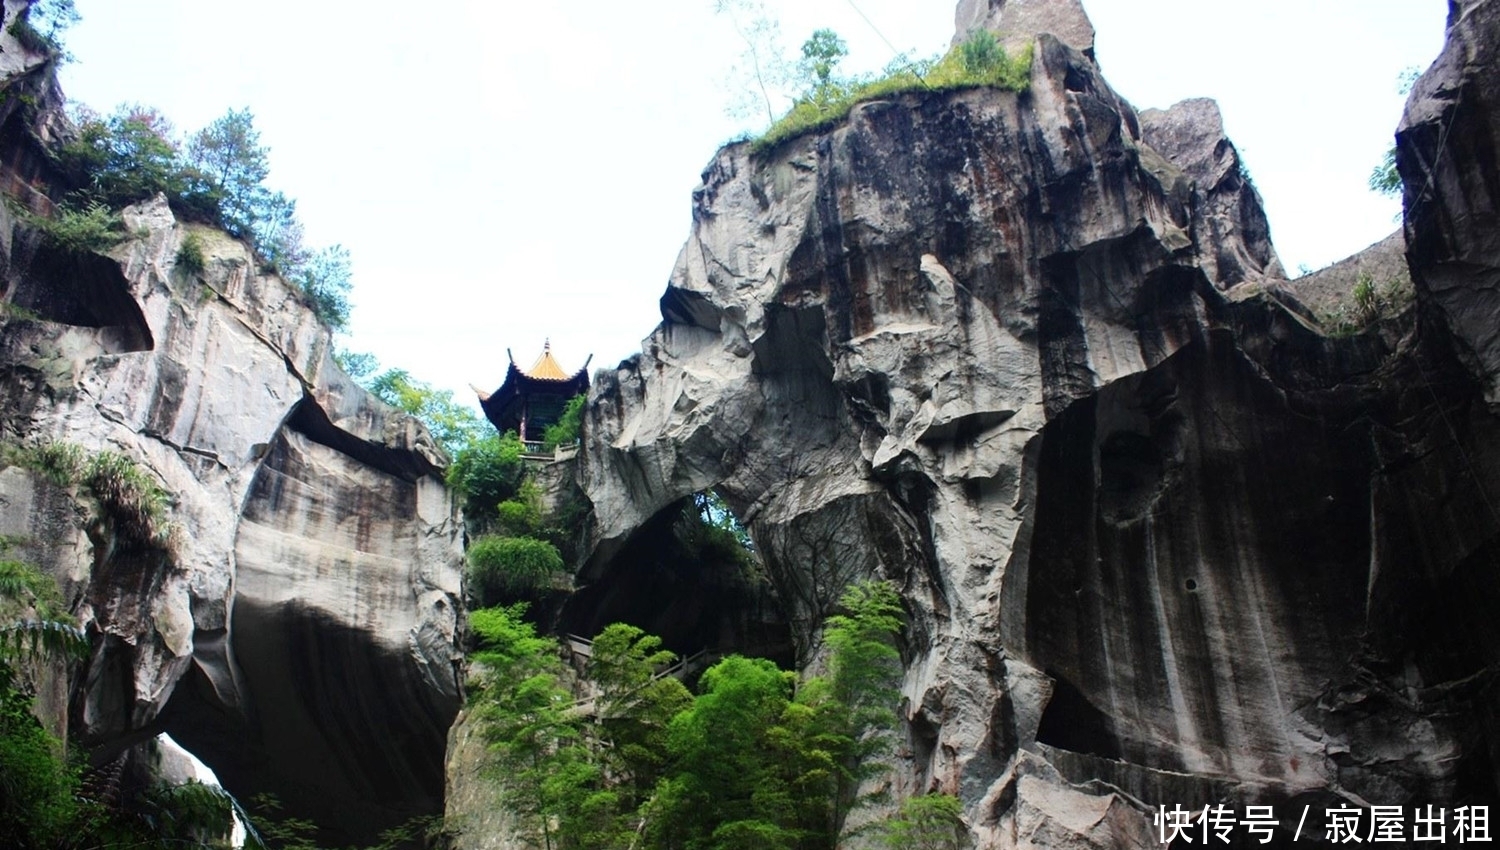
546	367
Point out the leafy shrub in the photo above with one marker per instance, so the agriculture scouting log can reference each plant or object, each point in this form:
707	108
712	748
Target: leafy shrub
1368	304
38	808
12	310
486	472
190	254
505	566
928	822
129	497
521	515
91	229
24	585
569	425
981	53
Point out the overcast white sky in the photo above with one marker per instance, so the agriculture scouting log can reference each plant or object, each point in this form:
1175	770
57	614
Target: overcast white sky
504	172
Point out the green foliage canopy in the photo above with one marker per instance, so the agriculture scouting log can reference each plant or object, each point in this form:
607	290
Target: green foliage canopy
486	472
928	822
453	425
124	157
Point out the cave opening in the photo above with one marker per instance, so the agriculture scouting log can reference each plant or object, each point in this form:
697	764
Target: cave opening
691	576
79	289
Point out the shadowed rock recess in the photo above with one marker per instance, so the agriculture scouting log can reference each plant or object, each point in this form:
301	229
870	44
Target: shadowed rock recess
1032	358
295	629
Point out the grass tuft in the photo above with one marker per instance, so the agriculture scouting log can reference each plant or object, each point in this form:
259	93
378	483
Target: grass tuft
129	497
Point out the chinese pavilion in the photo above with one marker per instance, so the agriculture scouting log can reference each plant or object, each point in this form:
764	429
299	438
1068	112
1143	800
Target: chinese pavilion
527	402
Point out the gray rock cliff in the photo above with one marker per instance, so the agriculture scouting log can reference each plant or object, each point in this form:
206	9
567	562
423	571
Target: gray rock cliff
296	629
1445	154
1160	539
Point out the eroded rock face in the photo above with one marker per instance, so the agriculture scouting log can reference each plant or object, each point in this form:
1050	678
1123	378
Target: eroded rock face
1161	542
1445	153
297	629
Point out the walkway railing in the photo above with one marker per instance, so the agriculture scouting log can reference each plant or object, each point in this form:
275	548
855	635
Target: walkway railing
582	649
537	450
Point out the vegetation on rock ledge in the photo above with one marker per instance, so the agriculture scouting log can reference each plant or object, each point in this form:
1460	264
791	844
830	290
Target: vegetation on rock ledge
977	62
217	177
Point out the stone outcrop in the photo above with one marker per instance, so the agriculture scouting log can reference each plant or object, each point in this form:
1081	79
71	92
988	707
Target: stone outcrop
1017	22
1233	241
1161	541
1446	156
296	630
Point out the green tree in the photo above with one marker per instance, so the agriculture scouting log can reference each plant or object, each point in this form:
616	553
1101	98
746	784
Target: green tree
821	54
453	425
326	279
726	787
719	523
126	157
636	705
863	660
359	365
762	73
38	788
1385	179
228	156
534	733
40	26
38	805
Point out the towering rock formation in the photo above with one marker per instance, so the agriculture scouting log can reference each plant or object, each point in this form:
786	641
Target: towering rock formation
296	630
296	625
1029	356
1446	155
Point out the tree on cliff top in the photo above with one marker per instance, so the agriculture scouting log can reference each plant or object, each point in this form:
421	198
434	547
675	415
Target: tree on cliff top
217	178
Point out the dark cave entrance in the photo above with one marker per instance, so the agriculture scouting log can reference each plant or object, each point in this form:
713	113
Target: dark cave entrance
691	583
